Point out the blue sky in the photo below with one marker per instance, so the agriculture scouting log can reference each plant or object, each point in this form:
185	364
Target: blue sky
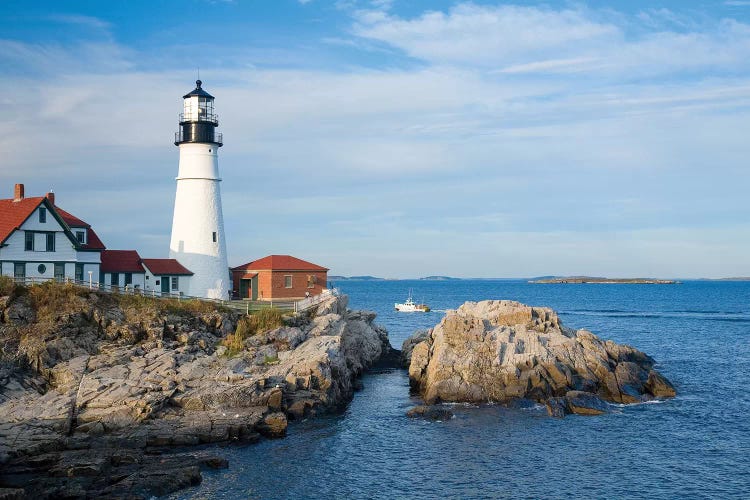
400	139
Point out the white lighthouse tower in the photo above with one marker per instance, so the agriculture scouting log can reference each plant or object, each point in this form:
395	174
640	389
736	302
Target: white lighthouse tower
198	240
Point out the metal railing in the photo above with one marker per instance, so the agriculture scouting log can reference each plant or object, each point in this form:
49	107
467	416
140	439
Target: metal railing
305	304
200	117
180	137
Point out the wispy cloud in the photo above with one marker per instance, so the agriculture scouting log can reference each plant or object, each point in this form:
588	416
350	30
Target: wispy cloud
80	20
526	39
538	140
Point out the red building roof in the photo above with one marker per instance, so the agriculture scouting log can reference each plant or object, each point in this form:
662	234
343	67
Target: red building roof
166	266
121	261
14	213
279	263
92	239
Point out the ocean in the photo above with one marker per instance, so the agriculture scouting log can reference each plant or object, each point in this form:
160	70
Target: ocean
696	445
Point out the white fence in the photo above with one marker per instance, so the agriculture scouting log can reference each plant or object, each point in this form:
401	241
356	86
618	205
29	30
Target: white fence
124	290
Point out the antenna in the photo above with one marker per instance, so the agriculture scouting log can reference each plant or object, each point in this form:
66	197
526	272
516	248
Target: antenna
199	72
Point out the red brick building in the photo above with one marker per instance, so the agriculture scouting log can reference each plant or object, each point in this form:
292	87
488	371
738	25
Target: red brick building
278	277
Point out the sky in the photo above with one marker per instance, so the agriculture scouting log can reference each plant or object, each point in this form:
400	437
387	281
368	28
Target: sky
399	138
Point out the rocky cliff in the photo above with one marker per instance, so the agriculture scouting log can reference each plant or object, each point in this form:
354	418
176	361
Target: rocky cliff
93	385
497	351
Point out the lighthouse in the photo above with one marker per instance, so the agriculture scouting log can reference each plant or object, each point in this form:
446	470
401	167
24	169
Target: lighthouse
198	241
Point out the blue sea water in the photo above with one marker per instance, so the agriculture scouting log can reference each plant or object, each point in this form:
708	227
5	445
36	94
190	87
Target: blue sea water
694	446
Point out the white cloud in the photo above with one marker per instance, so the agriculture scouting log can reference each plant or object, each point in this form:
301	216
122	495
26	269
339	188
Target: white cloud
513	39
472	34
79	20
538	157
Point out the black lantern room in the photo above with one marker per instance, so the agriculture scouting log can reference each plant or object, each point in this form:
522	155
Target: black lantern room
198	121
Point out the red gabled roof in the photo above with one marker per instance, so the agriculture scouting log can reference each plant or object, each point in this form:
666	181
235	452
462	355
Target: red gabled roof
92	239
70	219
165	266
121	261
93	242
14	213
280	263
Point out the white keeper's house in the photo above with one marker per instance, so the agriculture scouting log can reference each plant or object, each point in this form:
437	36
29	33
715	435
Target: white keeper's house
40	240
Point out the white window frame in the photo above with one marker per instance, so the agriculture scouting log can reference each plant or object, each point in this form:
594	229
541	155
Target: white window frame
288	278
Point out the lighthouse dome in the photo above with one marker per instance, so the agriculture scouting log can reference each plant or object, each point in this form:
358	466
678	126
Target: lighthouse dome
198	91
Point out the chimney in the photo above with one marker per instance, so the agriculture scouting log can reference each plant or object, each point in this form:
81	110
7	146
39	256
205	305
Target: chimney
51	197
18	192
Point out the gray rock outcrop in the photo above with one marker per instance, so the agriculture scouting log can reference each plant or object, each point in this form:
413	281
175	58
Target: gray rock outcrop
497	351
102	374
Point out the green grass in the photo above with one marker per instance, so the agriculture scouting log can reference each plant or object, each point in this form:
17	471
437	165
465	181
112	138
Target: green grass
50	299
261	321
170	306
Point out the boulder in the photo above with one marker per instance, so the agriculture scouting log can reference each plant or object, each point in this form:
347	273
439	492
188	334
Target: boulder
498	351
585	403
430	412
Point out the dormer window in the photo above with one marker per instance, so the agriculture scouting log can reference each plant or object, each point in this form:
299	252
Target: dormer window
81	236
42	215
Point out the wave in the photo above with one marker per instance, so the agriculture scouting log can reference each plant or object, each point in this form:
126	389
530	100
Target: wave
649	402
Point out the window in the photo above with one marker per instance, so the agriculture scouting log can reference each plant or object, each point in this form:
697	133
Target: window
19	270
79	272
128	279
81	236
41	268
29	247
288	281
50	242
310	281
42	215
214	236
175	283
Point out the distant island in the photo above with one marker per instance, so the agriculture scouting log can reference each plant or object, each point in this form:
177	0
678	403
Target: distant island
355	278
589	279
439	278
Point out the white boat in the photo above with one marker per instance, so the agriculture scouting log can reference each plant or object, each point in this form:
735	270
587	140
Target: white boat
410	306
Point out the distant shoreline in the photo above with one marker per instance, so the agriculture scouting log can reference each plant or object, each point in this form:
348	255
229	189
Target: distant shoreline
604	281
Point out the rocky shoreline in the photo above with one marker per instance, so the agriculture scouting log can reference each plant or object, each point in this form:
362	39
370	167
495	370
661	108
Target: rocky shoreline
504	351
112	396
105	396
